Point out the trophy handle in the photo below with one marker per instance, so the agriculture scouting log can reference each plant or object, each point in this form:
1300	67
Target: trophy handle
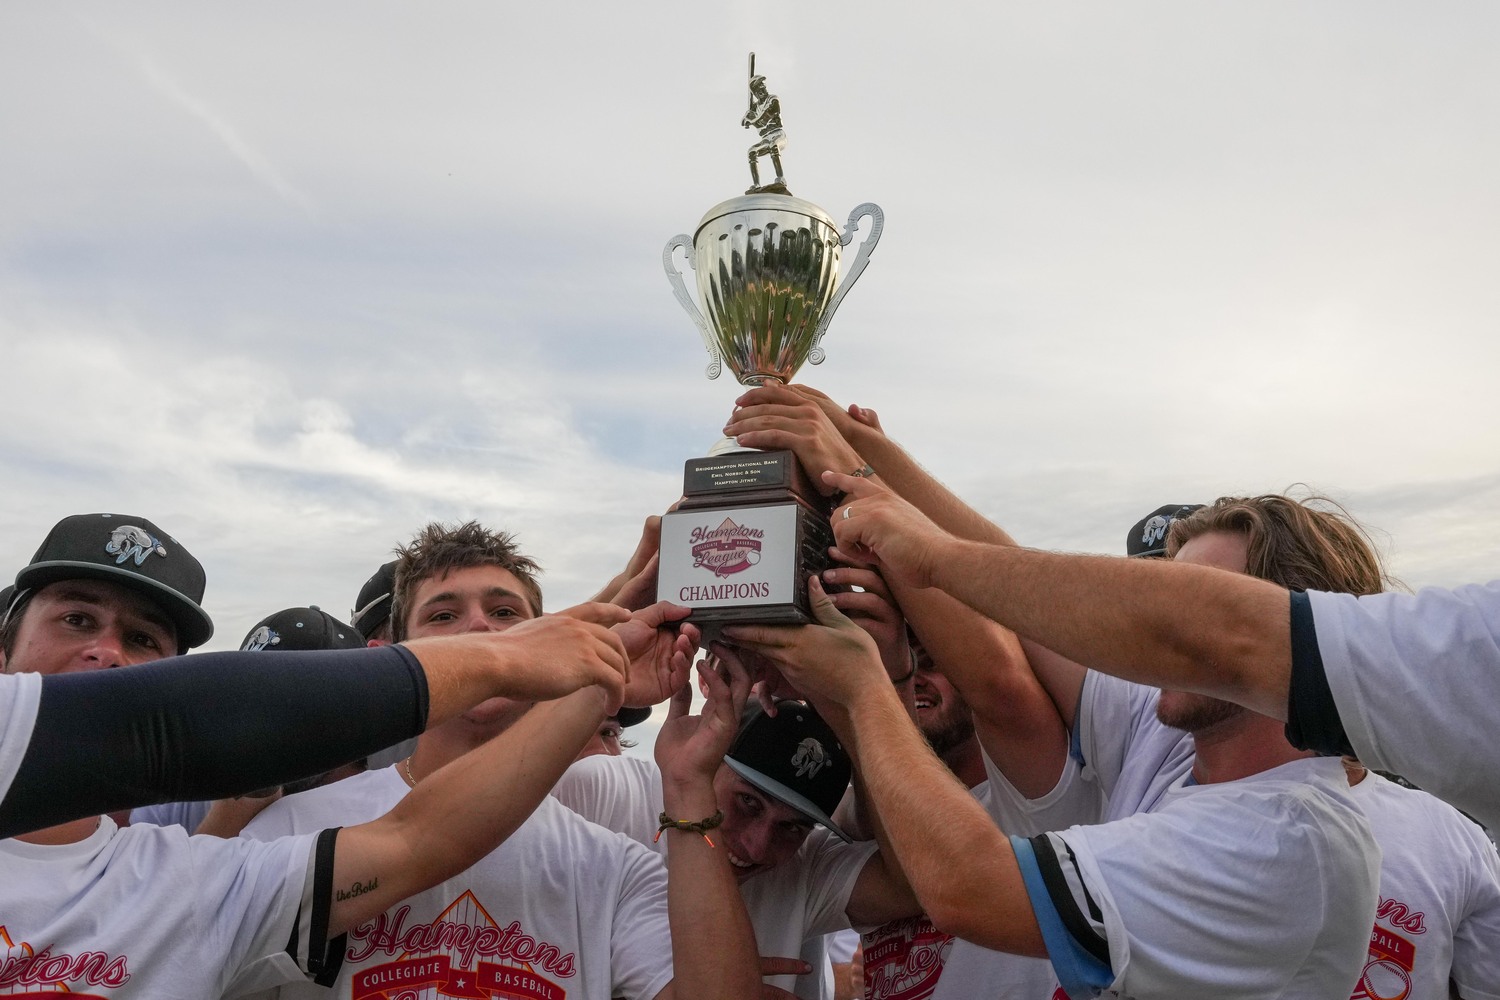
685	298
817	354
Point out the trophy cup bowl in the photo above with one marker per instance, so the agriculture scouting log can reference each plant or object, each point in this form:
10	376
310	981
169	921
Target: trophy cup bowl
768	280
752	527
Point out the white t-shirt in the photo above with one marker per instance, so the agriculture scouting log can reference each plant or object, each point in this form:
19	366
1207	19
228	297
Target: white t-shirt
794	904
20	697
153	913
911	959
1076	798
562	909
1128	755
1439	909
791	907
1416	678
622	794
187	815
1260	887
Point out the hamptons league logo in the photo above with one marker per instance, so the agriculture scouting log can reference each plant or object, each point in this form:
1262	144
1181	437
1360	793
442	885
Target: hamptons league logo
729	548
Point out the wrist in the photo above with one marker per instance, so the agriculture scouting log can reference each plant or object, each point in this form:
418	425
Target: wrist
945	553
693	800
909	673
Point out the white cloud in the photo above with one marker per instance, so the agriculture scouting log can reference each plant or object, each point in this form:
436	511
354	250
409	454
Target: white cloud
1131	257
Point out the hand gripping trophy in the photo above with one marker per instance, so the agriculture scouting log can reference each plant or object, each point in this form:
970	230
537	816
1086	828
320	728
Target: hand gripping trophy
751	528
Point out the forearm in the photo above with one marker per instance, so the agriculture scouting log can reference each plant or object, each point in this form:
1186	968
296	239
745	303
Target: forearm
1184	627
897	469
461	671
961	866
180	729
714	954
464	810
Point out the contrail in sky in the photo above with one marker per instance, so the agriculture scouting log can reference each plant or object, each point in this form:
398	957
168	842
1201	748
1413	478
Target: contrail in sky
252	159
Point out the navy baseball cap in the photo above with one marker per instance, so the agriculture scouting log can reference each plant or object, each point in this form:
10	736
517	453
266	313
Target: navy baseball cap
794	757
132	552
301	628
372	608
628	717
1148	536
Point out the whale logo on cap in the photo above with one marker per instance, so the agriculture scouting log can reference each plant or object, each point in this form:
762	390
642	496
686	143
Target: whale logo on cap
129	542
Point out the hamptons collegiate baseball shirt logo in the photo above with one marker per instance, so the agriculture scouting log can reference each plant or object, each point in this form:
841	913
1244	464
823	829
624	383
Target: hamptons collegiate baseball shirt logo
904	959
129	542
54	973
448	955
729	548
1387	973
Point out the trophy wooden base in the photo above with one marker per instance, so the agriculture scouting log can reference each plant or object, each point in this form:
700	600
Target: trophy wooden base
739	548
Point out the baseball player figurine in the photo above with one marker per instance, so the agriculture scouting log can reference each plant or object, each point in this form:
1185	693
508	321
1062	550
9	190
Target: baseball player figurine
765	115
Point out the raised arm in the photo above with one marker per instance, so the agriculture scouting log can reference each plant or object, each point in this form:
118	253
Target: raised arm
1016	716
467	808
962	866
1017	722
896	468
714	953
1190	628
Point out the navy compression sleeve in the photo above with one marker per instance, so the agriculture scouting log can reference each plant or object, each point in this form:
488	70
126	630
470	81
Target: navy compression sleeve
207	726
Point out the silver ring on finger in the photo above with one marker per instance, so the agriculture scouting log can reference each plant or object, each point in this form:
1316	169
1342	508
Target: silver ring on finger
847	510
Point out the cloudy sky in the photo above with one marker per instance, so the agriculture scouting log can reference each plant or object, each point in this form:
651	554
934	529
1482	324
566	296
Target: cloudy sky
290	279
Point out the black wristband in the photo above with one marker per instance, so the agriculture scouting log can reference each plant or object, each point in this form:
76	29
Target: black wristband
1312	717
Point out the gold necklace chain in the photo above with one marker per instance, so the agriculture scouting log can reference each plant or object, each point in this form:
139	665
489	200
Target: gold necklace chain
406	766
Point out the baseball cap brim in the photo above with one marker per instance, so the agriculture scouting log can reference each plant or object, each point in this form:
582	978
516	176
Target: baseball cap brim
193	625
632	716
786	796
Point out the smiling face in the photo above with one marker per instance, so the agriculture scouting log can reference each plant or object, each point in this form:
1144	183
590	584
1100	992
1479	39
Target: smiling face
759	832
78	625
475	599
945	719
1194	713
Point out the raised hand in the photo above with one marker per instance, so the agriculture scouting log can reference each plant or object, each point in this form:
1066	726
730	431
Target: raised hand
691	747
660	652
873	609
830	661
876	525
634	587
777	416
852	423
555	655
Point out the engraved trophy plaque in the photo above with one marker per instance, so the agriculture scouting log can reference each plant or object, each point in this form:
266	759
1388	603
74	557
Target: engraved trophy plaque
751	526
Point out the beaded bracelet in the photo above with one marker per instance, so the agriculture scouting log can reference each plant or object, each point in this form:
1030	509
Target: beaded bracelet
700	827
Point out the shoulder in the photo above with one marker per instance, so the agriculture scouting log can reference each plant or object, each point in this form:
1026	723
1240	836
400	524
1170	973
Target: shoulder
20	698
602	771
1409	821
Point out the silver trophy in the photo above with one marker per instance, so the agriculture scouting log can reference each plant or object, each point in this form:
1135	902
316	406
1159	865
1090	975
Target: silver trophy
751	527
767	265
